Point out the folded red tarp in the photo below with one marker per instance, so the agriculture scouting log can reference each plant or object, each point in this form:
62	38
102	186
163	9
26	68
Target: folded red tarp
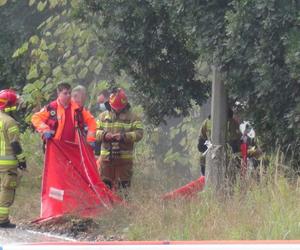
71	183
187	191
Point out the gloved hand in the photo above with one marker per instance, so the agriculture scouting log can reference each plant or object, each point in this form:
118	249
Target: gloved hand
118	137
108	137
22	165
47	135
92	144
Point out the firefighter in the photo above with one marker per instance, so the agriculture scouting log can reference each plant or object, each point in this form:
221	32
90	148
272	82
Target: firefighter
204	137
61	118
11	155
118	130
102	101
233	136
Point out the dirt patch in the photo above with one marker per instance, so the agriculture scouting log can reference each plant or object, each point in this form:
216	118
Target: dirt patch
72	227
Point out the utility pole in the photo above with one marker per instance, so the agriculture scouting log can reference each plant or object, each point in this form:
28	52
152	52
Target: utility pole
216	156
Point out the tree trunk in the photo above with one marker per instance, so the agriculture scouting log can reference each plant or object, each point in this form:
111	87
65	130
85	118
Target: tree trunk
216	156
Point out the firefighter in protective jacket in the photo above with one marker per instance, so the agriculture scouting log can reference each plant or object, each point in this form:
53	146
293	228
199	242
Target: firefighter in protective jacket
233	136
11	155
118	130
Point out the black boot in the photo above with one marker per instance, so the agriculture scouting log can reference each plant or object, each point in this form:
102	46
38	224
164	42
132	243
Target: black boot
7	224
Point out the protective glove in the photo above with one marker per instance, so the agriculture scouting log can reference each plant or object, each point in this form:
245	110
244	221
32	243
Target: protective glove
47	135
108	137
22	165
92	144
118	137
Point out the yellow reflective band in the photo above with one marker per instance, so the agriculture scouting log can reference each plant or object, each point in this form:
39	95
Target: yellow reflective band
2	139
8	162
119	125
21	157
104	152
138	124
98	123
126	156
13	129
8	109
4	210
123	154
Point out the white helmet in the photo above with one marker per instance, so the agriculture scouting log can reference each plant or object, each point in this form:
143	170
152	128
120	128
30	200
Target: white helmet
245	127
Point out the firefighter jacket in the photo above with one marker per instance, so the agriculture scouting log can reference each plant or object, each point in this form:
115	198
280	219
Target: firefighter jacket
9	136
43	120
233	134
205	130
126	123
204	135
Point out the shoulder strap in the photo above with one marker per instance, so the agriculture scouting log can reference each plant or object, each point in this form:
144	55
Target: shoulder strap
52	120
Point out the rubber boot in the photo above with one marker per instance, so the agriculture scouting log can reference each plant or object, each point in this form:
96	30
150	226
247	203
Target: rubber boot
7	224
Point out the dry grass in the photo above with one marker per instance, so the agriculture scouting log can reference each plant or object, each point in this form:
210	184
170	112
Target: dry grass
266	210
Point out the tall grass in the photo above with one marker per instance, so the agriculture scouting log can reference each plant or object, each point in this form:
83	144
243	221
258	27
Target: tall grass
268	209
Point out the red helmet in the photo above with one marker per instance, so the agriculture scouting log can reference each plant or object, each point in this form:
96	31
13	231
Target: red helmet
118	100
8	99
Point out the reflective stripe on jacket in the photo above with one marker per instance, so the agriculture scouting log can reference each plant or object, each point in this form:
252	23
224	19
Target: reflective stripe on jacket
126	123
9	133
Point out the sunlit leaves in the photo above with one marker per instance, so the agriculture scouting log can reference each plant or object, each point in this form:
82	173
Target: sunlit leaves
41	5
3	2
21	50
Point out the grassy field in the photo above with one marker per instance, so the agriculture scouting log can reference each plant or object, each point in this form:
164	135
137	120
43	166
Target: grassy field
269	209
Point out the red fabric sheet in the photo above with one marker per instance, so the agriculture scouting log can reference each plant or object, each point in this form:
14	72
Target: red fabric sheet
187	191
71	183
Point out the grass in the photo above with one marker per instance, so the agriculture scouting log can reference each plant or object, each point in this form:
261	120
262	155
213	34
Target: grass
269	209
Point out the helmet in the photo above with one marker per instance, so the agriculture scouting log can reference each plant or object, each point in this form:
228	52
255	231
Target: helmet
8	99
247	129
118	100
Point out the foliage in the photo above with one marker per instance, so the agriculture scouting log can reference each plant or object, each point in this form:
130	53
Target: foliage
161	45
64	49
255	42
262	46
14	31
148	41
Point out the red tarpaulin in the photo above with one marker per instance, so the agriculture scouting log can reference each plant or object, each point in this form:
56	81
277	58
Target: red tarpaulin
187	191
71	183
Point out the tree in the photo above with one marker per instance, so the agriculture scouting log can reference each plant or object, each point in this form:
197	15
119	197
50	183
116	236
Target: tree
262	46
149	42
15	29
256	42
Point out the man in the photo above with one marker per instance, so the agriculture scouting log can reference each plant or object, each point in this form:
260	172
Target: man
79	97
11	155
61	118
71	183
102	100
204	136
233	136
118	130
